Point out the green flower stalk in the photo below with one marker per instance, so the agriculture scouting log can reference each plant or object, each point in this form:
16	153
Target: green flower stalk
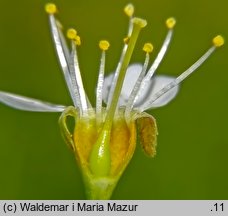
104	136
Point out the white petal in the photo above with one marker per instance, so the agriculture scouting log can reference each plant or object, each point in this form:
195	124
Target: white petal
131	77
106	87
156	84
28	104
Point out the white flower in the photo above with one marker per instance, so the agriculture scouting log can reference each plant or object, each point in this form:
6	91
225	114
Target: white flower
105	136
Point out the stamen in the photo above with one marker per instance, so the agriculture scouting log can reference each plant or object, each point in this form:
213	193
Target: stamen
129	10
138	25
104	45
76	75
148	48
50	8
71	33
217	42
63	41
77	40
61	49
126	40
170	23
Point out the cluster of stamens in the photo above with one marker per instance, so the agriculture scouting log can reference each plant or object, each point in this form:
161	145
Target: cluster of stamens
69	62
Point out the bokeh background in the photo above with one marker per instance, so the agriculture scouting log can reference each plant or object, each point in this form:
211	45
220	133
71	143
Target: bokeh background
192	157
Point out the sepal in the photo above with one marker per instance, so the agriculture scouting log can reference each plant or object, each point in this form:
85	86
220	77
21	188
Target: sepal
147	133
66	134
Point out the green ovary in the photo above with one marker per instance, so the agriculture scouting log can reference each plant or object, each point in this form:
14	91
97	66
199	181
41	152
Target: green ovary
103	150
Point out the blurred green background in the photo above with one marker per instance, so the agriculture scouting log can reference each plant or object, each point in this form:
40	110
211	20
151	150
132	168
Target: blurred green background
192	157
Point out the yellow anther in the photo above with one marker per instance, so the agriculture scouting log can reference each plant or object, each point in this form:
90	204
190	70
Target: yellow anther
71	33
126	40
148	47
129	10
218	41
77	40
170	22
104	45
50	8
140	22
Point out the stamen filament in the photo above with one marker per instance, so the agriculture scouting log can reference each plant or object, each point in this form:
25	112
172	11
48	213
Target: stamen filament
146	81
103	46
78	78
99	88
180	78
133	95
75	87
63	41
63	55
82	100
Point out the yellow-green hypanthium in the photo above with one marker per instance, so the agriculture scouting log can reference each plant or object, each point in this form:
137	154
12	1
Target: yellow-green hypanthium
104	136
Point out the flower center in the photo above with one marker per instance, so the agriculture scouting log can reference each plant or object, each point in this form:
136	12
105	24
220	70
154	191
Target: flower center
100	161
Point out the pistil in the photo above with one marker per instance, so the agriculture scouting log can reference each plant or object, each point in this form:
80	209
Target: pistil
138	24
100	159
